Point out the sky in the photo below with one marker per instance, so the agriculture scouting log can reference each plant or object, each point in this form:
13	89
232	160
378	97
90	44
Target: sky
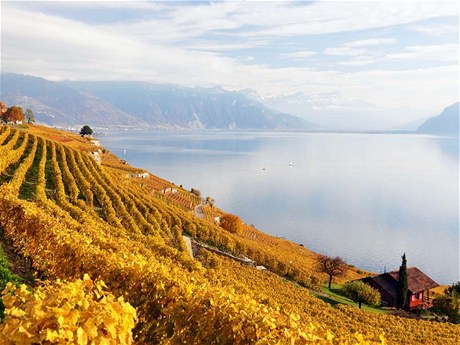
389	62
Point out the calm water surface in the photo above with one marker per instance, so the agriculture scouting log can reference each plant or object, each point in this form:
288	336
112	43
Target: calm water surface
366	197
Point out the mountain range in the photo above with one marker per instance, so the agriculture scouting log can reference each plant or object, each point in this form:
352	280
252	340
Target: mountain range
141	105
446	123
133	104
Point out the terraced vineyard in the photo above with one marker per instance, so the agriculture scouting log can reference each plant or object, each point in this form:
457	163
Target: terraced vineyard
172	193
69	216
210	213
255	235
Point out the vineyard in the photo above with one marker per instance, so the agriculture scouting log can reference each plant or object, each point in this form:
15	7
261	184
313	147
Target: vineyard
170	192
211	213
108	243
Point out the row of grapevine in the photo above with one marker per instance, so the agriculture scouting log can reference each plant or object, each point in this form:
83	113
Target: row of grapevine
10	155
210	213
40	189
255	235
127	207
4	133
175	194
9	139
19	174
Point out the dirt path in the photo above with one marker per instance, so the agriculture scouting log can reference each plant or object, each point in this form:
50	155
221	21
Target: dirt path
199	211
188	243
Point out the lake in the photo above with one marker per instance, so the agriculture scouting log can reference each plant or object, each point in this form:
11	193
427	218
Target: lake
368	198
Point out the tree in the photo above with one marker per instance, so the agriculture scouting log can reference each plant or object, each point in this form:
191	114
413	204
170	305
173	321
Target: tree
86	130
331	266
361	292
231	223
448	305
30	117
453	290
210	201
196	192
402	288
13	114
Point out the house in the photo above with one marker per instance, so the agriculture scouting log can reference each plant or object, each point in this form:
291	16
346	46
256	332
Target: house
19	122
95	142
419	285
139	175
96	157
168	190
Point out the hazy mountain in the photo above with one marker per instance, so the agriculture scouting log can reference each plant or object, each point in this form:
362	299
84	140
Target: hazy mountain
185	107
334	111
330	110
410	126
445	123
56	104
140	104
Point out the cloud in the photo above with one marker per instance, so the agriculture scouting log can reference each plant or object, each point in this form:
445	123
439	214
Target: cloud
299	55
361	52
359	61
294	19
436	29
441	52
371	42
344	51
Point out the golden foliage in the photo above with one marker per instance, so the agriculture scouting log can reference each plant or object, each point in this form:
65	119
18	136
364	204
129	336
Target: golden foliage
231	223
13	114
79	312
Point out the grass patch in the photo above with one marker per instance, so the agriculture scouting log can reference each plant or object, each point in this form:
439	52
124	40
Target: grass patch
5	277
334	296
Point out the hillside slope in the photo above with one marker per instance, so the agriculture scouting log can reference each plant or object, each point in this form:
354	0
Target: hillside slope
71	216
446	123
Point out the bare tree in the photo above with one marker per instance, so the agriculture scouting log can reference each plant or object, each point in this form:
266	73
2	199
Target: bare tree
29	115
333	267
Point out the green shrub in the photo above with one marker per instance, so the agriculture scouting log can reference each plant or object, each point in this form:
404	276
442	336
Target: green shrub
448	305
361	293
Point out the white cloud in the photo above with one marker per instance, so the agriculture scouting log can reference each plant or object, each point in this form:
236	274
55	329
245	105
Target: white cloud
300	55
359	61
291	19
344	51
436	30
442	52
371	42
